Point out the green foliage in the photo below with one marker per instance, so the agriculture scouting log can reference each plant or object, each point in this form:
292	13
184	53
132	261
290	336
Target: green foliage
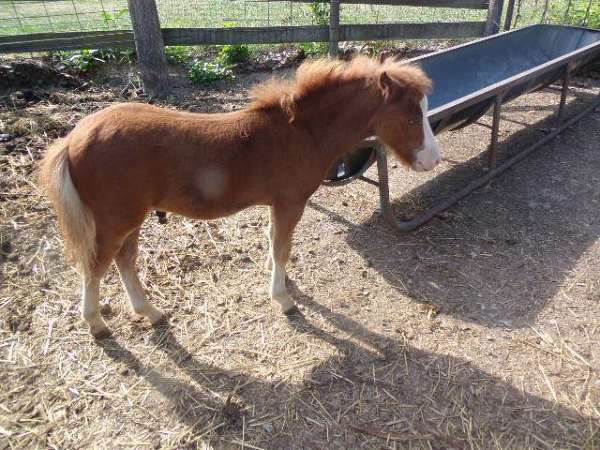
177	54
87	59
234	54
314	49
576	14
203	72
320	12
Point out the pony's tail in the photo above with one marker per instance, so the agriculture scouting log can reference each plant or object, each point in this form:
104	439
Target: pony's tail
74	217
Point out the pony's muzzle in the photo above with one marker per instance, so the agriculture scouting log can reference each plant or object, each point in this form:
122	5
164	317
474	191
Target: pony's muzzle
427	159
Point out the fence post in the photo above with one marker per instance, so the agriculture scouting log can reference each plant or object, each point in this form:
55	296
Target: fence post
492	25
149	46
334	27
510	9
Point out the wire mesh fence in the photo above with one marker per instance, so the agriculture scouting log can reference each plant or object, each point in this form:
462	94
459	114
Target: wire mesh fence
22	17
568	12
27	16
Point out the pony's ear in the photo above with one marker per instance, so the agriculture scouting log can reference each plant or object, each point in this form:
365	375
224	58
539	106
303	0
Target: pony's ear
390	88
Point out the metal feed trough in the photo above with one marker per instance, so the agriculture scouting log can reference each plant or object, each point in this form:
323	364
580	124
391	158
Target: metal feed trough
470	79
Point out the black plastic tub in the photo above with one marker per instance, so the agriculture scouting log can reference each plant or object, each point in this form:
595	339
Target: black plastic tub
468	77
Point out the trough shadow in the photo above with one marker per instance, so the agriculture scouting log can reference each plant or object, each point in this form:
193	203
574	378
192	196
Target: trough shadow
373	380
501	254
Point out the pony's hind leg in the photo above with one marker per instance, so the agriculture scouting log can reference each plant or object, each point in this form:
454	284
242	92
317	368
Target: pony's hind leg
125	260
90	309
105	251
284	219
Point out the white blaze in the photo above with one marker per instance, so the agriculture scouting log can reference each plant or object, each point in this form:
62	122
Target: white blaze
429	155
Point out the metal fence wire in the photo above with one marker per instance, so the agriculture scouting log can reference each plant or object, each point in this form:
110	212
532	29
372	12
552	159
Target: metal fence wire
28	16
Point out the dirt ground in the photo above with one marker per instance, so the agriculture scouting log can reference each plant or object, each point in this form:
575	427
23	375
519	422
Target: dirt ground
481	330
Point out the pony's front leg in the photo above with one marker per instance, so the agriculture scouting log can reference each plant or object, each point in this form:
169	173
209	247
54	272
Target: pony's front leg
284	218
269	260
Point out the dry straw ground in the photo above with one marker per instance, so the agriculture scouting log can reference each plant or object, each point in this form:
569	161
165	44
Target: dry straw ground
479	331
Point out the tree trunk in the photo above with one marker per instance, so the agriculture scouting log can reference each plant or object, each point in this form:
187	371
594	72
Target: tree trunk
149	46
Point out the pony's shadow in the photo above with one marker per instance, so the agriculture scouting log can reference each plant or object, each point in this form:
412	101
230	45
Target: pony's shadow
499	256
204	411
372	381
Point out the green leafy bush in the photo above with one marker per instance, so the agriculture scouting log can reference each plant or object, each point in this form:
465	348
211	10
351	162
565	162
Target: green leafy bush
203	72
87	59
234	54
314	49
177	54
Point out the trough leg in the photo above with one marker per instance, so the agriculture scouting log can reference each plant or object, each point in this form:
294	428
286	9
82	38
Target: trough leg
384	188
492	156
563	95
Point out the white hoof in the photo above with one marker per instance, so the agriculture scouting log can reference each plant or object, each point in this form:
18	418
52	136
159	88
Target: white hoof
154	315
286	303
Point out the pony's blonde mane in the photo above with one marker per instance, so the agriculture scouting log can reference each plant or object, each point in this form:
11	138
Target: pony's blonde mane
315	75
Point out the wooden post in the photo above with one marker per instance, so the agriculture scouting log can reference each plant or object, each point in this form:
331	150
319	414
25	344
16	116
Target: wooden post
510	9
334	27
492	25
149	46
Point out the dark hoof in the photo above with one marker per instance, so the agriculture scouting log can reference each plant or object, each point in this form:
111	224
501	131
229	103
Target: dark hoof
103	333
292	311
163	322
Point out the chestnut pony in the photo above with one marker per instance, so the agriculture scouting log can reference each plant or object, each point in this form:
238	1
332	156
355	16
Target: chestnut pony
126	160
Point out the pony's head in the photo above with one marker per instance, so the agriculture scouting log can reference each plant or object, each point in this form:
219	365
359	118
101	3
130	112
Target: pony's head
397	92
401	122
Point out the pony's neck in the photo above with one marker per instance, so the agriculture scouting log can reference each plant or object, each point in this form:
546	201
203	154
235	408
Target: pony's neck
341	118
